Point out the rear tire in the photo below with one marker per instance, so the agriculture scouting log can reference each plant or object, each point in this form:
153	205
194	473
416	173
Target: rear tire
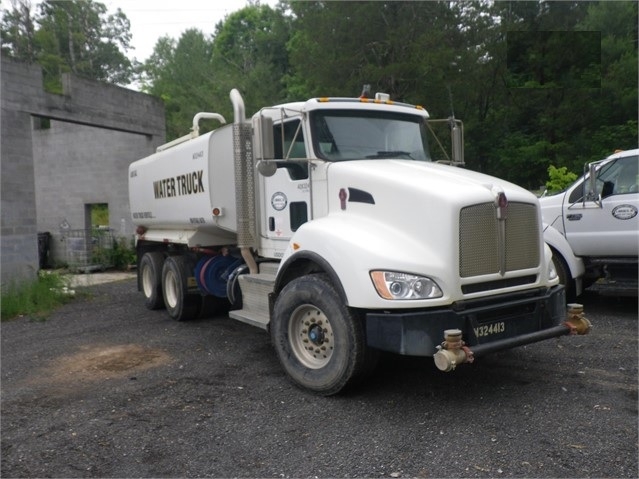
150	277
180	305
319	341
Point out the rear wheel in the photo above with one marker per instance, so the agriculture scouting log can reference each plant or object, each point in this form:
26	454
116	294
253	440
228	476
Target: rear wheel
180	305
319	340
150	277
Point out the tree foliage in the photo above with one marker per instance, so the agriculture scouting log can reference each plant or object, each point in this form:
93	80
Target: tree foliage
537	83
559	179
180	73
71	36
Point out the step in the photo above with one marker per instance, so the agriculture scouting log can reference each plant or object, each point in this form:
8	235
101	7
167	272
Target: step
251	318
255	303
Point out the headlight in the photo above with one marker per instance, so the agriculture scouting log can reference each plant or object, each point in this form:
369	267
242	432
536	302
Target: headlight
393	285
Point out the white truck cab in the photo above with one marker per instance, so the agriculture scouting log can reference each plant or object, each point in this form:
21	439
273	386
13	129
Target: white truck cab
593	227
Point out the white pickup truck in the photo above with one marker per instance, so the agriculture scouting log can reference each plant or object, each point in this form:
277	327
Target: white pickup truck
593	229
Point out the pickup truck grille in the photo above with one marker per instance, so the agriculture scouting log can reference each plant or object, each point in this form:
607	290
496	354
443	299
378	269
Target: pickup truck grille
485	249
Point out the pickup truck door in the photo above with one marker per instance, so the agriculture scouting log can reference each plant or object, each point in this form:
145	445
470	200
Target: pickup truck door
609	227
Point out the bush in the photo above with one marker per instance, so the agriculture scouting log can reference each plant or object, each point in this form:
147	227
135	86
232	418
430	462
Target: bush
35	299
119	255
123	253
560	179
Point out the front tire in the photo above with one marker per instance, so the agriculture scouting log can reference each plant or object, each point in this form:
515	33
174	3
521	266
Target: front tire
564	276
180	305
150	277
319	341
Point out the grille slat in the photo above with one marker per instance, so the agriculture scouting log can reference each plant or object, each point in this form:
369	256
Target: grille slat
480	251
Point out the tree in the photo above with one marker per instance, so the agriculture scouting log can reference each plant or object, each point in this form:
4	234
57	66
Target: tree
565	95
249	53
18	38
71	36
555	91
180	73
85	41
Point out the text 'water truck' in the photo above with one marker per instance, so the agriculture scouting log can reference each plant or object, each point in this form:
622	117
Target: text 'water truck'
326	223
593	227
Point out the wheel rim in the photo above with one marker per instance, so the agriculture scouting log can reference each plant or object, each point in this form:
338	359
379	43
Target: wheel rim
148	281
311	336
170	289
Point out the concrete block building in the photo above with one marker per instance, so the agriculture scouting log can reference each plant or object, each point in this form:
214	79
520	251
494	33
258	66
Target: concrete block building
60	155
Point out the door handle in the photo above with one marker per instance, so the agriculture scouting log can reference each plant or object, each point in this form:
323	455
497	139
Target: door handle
574	217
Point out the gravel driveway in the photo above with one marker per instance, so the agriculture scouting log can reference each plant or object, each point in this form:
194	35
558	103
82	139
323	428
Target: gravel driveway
106	388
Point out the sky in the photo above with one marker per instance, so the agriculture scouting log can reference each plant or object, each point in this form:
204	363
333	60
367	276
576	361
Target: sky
152	19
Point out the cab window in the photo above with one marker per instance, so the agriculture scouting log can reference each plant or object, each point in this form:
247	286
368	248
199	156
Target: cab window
290	144
615	178
288	140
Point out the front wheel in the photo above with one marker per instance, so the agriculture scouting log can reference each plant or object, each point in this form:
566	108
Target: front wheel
564	276
319	341
180	305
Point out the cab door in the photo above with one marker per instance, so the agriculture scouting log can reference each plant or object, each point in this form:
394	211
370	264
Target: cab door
286	194
609	228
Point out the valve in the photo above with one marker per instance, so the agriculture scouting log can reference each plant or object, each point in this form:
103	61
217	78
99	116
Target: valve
576	320
452	351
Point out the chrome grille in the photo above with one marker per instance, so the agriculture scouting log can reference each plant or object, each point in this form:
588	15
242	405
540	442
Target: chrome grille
522	237
480	249
478	240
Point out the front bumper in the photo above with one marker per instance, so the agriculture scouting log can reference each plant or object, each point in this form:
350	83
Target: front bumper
490	323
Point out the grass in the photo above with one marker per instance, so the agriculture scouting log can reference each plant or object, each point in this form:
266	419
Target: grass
35	299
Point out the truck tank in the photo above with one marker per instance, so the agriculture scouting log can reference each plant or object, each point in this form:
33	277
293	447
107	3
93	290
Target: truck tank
183	193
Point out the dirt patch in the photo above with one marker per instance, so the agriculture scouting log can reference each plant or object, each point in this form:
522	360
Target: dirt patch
95	363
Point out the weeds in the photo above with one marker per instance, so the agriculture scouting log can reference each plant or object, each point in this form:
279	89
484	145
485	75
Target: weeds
35	299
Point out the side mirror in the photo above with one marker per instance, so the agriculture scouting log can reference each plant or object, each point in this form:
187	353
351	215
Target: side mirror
592	185
592	171
263	145
457	137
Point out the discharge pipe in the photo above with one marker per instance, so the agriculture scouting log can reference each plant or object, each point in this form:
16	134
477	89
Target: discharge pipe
453	351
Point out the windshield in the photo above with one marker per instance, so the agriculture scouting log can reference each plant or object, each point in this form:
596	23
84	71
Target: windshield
340	135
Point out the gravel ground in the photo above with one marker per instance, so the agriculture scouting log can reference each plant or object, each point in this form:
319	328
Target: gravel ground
106	388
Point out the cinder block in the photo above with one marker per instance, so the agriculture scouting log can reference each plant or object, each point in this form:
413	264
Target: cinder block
49	175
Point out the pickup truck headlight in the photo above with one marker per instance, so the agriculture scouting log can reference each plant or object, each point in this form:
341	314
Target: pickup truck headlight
394	285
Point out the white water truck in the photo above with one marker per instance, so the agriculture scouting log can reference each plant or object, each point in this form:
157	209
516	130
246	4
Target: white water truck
326	223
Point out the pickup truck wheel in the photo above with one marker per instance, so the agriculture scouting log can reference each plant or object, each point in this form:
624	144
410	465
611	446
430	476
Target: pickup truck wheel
319	341
180	305
564	276
150	277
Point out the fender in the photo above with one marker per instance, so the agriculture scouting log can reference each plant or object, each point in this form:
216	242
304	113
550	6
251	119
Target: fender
558	243
348	247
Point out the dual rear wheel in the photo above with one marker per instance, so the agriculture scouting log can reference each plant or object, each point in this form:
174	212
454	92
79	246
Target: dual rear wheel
164	283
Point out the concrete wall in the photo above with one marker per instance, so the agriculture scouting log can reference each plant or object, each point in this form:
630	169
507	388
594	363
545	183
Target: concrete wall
51	169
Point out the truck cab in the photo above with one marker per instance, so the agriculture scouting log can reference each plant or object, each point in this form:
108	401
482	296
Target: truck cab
593	227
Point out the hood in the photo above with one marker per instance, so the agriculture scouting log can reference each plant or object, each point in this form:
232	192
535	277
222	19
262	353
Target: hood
423	184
